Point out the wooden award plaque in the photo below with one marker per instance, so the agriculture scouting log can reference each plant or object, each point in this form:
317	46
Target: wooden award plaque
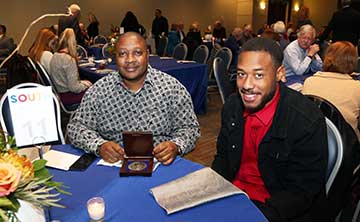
138	160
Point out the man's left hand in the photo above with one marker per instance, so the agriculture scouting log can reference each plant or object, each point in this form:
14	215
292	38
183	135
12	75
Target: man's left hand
166	152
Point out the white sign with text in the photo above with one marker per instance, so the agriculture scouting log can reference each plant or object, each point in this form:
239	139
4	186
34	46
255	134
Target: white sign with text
33	115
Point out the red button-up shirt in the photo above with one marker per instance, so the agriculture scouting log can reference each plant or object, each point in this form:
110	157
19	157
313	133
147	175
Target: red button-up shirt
257	124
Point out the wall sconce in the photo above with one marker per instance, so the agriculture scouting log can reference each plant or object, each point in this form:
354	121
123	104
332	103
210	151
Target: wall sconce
262	5
296	7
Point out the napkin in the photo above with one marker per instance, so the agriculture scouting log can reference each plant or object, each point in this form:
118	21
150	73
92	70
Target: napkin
102	162
87	64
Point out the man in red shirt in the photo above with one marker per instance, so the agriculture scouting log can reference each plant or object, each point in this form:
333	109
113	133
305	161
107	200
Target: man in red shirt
273	141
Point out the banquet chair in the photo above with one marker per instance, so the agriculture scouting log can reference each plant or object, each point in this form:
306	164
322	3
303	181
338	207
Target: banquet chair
226	55
108	51
100	40
6	118
358	65
201	54
180	51
162	46
338	190
81	52
45	80
222	79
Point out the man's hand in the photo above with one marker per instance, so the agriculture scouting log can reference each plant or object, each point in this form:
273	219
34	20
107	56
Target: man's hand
165	152
313	49
111	152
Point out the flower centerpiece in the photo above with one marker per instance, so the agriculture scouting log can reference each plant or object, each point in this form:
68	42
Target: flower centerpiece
21	179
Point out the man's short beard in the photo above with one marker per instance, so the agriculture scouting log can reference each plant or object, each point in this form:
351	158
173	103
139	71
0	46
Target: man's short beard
266	99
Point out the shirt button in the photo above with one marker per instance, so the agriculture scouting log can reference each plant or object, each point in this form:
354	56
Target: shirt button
233	146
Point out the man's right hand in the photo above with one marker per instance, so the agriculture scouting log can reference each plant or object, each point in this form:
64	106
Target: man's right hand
313	49
111	152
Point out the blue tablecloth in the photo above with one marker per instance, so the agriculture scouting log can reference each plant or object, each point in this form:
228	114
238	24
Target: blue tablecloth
129	199
192	75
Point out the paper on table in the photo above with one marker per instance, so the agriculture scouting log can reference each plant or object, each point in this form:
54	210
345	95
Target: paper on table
60	160
87	64
296	86
199	187
185	61
104	71
119	163
165	57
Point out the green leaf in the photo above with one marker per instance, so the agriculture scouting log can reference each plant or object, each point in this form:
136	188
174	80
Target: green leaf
39	164
42	173
9	203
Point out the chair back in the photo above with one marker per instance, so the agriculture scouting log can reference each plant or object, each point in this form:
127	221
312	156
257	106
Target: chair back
6	119
338	192
45	80
180	51
222	79
210	60
226	55
162	46
201	54
100	40
81	52
335	153
108	51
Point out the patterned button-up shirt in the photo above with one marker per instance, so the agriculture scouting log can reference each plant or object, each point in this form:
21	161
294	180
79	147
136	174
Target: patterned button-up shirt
162	106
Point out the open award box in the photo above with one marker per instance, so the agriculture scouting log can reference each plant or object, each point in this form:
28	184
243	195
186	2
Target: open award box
138	159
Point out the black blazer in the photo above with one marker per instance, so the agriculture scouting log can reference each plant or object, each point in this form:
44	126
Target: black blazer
345	26
292	156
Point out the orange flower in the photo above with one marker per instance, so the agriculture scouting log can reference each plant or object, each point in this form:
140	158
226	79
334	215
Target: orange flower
19	162
9	178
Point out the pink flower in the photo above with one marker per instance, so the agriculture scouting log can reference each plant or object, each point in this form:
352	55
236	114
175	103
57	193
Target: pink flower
9	178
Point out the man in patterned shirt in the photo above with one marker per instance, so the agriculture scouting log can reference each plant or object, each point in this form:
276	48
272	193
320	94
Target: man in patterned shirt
136	98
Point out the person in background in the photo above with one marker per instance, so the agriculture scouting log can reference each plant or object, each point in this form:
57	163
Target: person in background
335	82
280	34
344	25
85	34
303	17
43	48
301	56
173	39
72	21
219	31
159	27
233	44
282	168
180	31
64	71
192	39
7	44
247	34
93	27
135	98
130	23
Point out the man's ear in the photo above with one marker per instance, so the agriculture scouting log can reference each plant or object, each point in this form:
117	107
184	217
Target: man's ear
281	74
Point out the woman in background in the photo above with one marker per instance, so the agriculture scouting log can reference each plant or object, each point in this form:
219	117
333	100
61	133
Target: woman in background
43	47
64	71
93	27
173	39
335	83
